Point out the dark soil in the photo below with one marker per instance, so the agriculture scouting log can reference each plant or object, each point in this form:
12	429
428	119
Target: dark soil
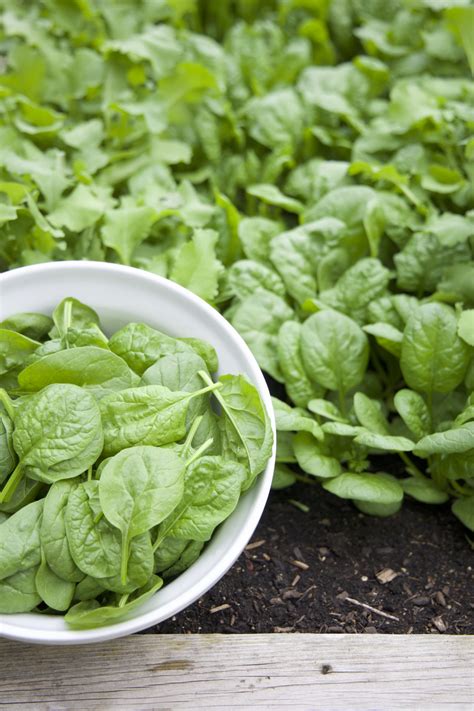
318	571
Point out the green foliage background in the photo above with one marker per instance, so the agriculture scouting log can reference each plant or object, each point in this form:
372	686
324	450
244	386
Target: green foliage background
282	159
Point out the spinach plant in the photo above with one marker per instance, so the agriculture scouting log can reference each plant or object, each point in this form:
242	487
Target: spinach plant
305	167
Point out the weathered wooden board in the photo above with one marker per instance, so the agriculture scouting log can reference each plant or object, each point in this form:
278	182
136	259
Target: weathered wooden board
297	672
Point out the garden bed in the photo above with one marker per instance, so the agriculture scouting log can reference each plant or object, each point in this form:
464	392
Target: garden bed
311	571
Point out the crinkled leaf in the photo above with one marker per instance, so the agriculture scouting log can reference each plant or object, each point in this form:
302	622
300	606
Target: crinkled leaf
433	357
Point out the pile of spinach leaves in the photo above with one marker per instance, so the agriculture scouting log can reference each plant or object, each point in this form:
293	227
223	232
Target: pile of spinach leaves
306	166
115	469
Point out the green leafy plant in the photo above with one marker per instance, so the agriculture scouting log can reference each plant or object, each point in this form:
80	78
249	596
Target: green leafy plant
306	167
112	482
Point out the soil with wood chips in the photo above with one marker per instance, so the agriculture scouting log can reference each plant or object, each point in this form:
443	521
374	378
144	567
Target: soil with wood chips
333	569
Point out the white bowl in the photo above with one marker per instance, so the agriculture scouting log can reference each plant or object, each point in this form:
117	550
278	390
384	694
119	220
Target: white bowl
120	295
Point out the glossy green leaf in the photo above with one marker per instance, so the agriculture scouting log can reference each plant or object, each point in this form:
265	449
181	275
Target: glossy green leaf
414	412
18	592
58	433
388	443
325	336
433	357
20	540
211	491
313	458
149	415
452	441
424	490
56	592
373	488
89	367
294	419
54	541
138	488
463	509
88	615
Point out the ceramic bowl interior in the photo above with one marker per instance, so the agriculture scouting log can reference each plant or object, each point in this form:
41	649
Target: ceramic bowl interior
121	295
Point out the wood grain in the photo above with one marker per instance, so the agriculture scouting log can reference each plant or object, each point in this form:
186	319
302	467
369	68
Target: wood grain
300	672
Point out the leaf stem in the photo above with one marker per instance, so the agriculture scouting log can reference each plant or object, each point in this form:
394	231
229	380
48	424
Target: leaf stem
11	485
381	372
89	473
222	402
67	320
305	479
200	451
411	466
192	431
124	562
7	402
208	389
429	397
123	600
460	490
342	401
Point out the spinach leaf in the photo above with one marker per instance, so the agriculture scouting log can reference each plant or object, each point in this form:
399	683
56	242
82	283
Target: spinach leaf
433	357
373	488
369	413
299	386
324	337
26	491
88	615
294	419
283	477
168	552
20	540
204	350
246	425
7	453
139	567
89	367
54	540
88	589
15	349
56	592
246	277
138	488
190	554
71	313
212	488
466	326
32	325
94	544
314	458
258	319
179	372
18	592
58	435
388	443
140	346
424	490
414	412
452	441
149	415
463	509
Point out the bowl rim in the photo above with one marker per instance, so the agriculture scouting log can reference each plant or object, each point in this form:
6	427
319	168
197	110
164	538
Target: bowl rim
260	490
